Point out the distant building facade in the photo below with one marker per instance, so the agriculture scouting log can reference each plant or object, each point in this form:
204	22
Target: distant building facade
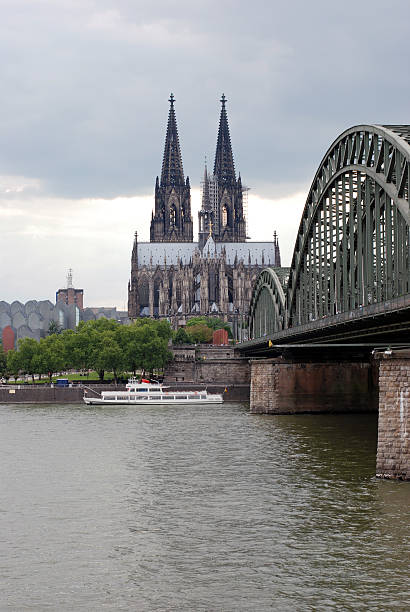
174	277
69	295
33	319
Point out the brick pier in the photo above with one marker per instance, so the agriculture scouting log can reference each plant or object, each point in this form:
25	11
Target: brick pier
279	386
393	448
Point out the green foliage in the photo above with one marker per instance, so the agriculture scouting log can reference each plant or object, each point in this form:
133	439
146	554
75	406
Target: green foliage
13	363
182	337
28	356
212	323
200	333
52	355
54	328
197	321
3	361
102	345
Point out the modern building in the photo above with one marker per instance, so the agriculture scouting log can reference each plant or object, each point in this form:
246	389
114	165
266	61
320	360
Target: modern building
174	277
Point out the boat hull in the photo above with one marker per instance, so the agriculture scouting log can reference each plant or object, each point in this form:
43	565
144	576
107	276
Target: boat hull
150	402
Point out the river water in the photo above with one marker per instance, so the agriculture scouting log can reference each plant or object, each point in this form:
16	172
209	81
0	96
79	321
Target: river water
202	509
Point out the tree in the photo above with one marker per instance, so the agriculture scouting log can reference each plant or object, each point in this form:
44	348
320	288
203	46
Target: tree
181	337
129	339
154	354
108	355
200	333
79	346
13	363
52	355
145	344
54	328
3	362
28	354
211	322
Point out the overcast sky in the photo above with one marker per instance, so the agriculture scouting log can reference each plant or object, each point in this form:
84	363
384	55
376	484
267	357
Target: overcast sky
84	104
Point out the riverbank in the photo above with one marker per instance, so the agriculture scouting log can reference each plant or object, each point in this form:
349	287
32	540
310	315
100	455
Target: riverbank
38	394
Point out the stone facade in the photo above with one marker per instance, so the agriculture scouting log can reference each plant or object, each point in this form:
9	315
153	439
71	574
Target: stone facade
172	220
286	387
207	365
393	448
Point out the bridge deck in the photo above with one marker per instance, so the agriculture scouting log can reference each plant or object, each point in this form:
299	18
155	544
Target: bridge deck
387	321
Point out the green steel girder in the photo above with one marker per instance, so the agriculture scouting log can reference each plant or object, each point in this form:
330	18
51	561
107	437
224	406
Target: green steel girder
267	308
353	248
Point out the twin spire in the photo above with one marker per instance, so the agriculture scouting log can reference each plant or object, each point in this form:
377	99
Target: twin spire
172	168
224	167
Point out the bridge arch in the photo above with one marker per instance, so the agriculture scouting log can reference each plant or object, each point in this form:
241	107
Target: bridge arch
267	307
352	247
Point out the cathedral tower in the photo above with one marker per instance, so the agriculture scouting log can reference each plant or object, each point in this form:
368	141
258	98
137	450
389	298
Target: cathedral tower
172	220
230	222
206	213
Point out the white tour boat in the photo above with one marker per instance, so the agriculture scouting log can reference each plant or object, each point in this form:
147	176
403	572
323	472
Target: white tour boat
146	392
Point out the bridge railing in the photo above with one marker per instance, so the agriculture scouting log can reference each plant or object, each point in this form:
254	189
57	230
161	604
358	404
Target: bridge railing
372	310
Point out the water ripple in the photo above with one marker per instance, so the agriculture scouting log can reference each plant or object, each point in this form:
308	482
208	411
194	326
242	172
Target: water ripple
207	509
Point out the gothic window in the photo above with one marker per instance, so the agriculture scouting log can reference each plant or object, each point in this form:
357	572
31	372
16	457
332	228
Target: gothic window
170	289
172	216
157	285
143	293
224	216
230	289
213	287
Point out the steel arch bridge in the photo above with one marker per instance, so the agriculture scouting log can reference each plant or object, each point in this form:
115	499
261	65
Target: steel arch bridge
267	309
352	248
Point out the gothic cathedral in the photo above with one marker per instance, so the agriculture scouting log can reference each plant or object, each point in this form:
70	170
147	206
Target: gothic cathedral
176	278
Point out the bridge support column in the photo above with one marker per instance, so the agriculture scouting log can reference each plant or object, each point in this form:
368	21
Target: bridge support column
279	386
393	447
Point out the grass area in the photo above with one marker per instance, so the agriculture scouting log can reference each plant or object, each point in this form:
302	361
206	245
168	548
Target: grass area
90	377
87	378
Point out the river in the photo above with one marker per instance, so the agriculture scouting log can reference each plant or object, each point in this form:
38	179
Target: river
197	509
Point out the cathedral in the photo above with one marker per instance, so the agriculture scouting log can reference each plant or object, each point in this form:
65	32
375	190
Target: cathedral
176	278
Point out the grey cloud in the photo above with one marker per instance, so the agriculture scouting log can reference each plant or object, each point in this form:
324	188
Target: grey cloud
85	86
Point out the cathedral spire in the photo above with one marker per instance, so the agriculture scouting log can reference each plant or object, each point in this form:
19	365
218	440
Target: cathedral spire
206	200
206	214
224	167
172	220
172	170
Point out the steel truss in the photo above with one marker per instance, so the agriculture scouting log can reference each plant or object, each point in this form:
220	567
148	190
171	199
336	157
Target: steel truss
267	308
352	247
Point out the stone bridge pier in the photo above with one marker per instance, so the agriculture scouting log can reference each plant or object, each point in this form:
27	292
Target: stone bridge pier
285	386
393	448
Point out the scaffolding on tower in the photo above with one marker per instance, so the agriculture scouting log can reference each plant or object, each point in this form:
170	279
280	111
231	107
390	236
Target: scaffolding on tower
245	190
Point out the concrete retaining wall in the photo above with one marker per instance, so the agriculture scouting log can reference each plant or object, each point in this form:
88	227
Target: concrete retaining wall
39	394
208	364
36	394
